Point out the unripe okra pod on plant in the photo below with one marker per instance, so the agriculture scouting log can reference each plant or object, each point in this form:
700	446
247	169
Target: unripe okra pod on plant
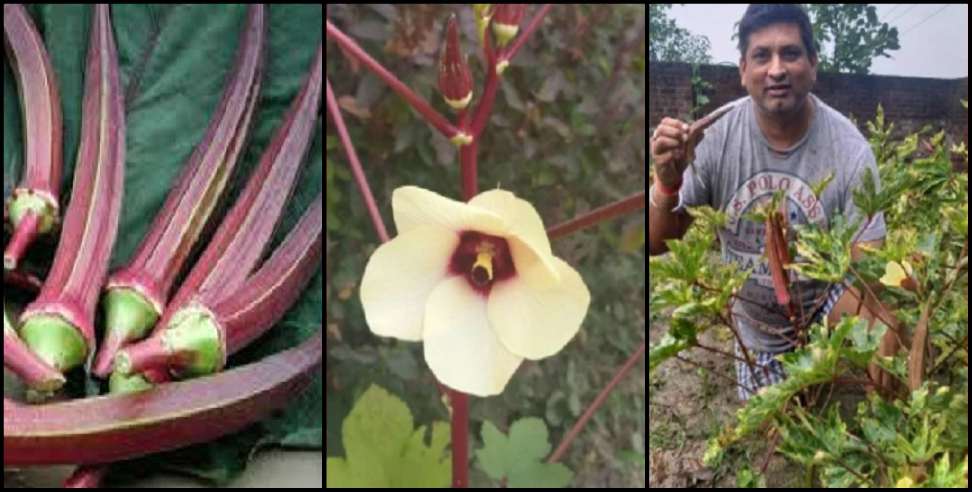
59	325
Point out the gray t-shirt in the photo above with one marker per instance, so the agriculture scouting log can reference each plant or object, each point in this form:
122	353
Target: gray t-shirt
738	171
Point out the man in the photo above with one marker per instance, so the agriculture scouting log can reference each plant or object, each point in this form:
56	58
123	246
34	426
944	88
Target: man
779	138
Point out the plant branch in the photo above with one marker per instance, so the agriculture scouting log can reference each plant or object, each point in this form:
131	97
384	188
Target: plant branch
460	439
596	404
594	217
351	48
352	155
528	31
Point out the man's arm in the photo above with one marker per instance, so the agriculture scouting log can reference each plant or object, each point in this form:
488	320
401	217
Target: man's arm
848	303
663	224
870	311
672	150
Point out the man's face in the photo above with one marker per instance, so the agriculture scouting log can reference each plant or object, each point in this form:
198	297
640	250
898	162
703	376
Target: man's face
777	70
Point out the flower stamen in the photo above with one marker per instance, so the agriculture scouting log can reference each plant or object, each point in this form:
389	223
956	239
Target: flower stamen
482	270
483	260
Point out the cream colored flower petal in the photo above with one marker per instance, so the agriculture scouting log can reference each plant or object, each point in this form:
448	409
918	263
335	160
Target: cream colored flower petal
460	348
413	206
399	277
523	219
539	269
537	321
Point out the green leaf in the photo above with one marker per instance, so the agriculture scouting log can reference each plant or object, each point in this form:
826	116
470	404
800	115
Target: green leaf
520	457
667	348
385	450
825	254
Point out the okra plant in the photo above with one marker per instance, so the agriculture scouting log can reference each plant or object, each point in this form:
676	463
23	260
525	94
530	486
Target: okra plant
193	206
471	274
847	413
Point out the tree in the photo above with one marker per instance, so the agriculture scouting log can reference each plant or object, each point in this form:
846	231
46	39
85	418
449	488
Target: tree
854	32
668	42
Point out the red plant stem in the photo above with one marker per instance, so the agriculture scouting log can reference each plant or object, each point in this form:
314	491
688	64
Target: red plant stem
35	373
468	170
432	116
24	235
171	416
602	214
460	439
485	106
596	404
59	325
33	208
87	477
359	176
460	400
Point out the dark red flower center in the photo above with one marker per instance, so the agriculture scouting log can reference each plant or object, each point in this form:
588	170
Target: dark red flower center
482	260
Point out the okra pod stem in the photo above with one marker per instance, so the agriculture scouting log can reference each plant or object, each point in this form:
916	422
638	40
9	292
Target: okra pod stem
35	373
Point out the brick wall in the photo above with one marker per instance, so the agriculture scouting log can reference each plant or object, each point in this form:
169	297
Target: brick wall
909	102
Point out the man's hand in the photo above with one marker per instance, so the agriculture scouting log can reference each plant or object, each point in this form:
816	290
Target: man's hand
668	152
673	146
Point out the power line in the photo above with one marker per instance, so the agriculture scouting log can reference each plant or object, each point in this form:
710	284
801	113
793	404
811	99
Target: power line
912	28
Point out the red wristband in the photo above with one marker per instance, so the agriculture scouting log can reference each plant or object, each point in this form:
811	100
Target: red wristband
666	191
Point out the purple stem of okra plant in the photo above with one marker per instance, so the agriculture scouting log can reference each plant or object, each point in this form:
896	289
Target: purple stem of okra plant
435	119
359	176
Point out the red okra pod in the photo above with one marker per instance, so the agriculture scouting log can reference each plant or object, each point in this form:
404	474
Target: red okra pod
137	294
59	325
200	337
35	373
33	208
240	242
171	416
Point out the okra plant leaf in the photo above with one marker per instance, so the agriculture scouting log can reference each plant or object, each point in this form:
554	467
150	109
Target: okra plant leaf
520	457
385	450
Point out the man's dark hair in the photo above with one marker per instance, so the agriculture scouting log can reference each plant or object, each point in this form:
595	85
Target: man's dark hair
758	16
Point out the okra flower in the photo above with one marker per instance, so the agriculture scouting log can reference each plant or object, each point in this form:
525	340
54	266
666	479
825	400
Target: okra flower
899	275
476	282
